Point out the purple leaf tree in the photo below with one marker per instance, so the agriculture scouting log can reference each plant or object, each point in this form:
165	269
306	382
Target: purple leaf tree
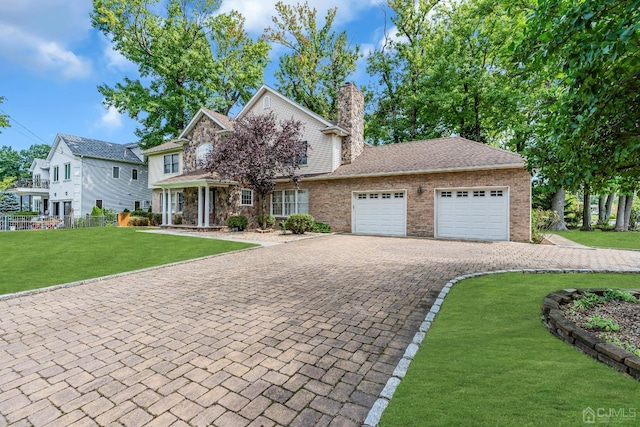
257	152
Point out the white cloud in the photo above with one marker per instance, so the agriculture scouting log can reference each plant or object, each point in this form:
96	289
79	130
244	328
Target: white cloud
37	35
111	119
258	13
116	61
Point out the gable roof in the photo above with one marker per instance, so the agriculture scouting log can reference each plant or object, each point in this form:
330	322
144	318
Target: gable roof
225	123
95	148
330	126
167	146
428	156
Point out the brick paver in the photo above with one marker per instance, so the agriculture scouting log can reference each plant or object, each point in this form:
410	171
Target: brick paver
302	333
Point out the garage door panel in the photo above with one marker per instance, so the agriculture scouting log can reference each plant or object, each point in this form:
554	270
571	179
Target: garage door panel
472	214
379	213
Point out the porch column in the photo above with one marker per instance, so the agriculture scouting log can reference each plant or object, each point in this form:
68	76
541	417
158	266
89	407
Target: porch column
169	206
207	203
200	207
163	207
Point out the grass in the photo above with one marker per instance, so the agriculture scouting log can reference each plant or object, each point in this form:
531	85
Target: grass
488	361
36	259
603	239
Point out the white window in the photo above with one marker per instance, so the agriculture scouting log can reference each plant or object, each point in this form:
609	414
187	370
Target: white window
56	173
134	174
266	102
304	159
67	171
172	163
373	196
116	172
462	194
445	194
246	198
287	202
496	193
478	193
386	195
398	195
362	196
177	204
202	152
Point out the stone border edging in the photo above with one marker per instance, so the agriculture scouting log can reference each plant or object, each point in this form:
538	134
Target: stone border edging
112	276
588	343
375	414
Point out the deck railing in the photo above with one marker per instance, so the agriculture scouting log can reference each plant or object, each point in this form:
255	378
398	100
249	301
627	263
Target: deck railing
43	222
31	183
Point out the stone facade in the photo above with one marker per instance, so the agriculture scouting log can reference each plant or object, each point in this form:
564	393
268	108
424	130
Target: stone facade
351	118
330	201
202	132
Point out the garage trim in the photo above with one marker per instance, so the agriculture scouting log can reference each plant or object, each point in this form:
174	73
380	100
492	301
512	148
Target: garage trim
470	190
392	193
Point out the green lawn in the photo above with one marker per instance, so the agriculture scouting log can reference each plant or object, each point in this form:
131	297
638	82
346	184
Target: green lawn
488	361
36	259
603	239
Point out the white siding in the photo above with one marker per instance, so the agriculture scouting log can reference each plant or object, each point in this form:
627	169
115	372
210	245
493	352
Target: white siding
321	148
156	167
116	193
65	190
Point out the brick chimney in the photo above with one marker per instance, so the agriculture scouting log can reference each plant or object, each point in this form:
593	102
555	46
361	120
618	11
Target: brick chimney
351	119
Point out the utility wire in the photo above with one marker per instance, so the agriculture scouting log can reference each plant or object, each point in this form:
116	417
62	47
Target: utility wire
21	125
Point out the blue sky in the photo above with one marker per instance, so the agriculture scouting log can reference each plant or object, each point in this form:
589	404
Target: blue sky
52	61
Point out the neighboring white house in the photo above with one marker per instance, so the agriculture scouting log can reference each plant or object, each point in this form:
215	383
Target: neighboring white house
80	173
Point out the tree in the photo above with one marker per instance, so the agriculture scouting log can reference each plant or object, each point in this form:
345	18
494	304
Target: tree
4	119
319	61
258	151
9	203
10	162
36	151
185	59
593	48
448	70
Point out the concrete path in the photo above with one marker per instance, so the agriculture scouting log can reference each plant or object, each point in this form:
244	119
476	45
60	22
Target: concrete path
563	241
305	333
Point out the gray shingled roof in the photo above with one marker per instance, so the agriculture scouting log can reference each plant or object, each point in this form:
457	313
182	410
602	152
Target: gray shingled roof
433	155
95	148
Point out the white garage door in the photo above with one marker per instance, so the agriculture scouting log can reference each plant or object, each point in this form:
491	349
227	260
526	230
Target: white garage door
473	213
380	212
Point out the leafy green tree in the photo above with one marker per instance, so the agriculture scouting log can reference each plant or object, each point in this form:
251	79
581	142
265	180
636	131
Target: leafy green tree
4	119
448	70
10	162
319	60
36	151
187	58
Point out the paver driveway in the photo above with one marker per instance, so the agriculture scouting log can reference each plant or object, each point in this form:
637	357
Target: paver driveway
305	333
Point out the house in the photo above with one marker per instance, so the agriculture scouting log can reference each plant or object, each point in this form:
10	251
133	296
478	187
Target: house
444	188
80	173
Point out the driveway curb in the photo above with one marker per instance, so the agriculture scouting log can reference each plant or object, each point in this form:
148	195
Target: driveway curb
375	414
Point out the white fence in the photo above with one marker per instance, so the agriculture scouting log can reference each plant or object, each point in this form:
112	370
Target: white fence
42	222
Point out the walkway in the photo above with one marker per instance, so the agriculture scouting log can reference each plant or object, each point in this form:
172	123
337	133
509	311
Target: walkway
305	333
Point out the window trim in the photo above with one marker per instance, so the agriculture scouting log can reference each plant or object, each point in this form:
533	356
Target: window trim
201	153
67	171
171	163
134	174
296	202
115	172
242	197
56	173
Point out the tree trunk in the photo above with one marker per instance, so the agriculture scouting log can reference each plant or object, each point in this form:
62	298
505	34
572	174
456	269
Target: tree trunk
557	205
586	211
263	209
620	214
610	198
602	209
628	204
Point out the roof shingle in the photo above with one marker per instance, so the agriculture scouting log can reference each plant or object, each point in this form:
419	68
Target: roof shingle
433	155
88	147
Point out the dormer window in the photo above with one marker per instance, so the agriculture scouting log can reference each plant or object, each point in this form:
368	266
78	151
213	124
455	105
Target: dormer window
202	152
266	102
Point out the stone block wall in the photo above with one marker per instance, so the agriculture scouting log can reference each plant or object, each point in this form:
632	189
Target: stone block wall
618	358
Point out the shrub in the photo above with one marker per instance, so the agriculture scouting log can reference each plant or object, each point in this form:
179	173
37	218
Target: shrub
156	219
96	211
237	221
178	220
140	213
320	227
618	295
138	221
270	220
125	210
541	222
300	223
